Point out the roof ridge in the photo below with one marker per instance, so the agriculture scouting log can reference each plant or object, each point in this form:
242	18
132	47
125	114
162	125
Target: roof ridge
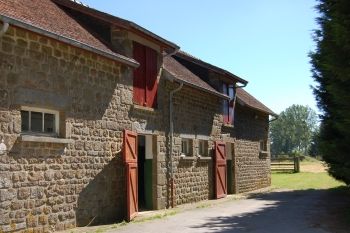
81	3
198	61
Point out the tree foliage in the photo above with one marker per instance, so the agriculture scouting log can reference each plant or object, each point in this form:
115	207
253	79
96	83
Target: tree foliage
293	130
331	71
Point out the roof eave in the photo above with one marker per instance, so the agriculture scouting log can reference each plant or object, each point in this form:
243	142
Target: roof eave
195	86
113	20
116	57
212	67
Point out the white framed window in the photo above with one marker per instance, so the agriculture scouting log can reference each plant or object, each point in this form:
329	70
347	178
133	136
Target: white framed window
202	147
186	145
39	121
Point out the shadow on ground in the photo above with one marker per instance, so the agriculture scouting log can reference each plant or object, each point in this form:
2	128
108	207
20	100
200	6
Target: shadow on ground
302	211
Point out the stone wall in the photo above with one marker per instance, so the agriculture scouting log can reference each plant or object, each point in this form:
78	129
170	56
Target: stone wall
197	115
252	168
54	186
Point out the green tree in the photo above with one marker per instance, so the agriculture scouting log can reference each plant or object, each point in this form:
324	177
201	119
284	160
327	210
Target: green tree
331	71
314	147
293	130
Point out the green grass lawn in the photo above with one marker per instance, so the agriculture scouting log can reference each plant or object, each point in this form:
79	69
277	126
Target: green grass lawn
304	180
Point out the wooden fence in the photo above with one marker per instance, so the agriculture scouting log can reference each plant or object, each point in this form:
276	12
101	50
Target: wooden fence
286	165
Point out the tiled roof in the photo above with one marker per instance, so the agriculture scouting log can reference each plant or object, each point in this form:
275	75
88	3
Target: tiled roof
48	16
184	75
250	101
78	6
209	66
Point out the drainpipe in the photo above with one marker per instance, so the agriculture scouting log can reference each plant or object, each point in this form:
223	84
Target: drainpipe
171	129
234	99
171	133
4	28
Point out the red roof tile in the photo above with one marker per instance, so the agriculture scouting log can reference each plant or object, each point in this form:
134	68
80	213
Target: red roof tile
78	6
45	17
48	16
181	73
252	102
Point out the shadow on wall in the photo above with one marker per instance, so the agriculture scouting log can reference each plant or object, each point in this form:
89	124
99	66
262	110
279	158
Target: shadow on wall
101	202
290	211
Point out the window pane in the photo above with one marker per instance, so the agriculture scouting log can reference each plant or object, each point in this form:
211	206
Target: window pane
25	120
37	121
49	123
184	147
225	111
224	88
231	92
203	147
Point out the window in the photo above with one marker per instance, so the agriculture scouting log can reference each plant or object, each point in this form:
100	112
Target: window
203	148
228	89
263	145
145	76
186	147
39	121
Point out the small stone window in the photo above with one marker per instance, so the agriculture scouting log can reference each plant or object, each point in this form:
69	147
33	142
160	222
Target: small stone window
263	149
39	121
263	145
186	147
203	148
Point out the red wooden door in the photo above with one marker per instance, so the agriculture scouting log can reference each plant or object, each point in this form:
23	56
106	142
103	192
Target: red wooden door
220	168
130	159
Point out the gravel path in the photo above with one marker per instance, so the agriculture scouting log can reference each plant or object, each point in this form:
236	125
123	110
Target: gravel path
275	212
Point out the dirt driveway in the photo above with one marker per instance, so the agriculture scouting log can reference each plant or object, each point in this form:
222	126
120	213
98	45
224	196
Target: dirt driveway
276	212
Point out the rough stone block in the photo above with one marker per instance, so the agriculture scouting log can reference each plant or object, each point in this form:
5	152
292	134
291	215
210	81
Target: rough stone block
8	194
5	180
23	193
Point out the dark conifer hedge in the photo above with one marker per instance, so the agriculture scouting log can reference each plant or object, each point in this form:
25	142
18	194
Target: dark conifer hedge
331	71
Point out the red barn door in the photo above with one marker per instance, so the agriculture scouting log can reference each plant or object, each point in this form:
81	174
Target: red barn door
130	159
220	168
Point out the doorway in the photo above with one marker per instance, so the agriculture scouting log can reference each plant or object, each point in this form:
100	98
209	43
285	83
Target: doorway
230	167
145	172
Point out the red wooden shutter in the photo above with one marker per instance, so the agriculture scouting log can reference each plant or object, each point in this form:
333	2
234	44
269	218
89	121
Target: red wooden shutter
230	104
225	106
220	170
130	159
139	74
151	78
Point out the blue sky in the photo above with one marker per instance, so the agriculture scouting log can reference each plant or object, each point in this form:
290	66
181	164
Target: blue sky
263	41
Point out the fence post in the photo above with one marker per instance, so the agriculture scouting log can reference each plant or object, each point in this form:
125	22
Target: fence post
296	164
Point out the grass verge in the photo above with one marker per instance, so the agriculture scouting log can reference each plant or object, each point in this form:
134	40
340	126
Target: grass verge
304	180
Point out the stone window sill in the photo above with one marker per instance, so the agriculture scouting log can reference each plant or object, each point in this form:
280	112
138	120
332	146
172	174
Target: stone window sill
188	157
228	126
33	138
143	108
263	154
204	158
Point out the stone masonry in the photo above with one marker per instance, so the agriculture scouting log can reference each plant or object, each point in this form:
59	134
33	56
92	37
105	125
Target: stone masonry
251	168
54	186
50	186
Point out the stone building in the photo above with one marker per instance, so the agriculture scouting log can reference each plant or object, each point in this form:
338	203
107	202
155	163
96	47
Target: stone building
102	118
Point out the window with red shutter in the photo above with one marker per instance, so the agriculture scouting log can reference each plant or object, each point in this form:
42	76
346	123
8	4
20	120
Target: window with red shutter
228	89
145	76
